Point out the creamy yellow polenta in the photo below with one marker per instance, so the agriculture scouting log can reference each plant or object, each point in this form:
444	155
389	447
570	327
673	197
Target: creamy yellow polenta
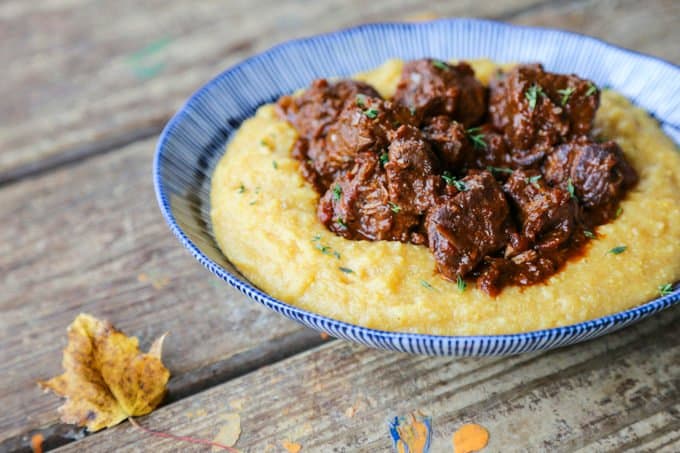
264	219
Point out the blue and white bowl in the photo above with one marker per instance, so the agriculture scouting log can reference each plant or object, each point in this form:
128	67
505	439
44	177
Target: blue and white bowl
195	138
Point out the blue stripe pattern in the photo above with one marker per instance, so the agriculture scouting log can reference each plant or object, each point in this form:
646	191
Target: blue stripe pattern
194	140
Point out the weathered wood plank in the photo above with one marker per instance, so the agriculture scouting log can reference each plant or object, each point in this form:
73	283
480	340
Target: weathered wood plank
91	239
78	76
82	78
340	397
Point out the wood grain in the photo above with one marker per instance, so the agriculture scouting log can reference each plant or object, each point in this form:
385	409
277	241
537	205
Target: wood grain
91	239
620	391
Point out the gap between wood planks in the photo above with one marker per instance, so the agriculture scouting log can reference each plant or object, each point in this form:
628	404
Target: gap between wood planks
110	144
188	384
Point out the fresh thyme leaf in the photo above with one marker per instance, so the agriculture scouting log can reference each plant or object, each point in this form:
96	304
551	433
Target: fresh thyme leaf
460	185
452	181
346	270
476	137
665	290
499	169
618	250
317	237
336	254
461	284
440	65
337	192
412	109
361	100
592	88
327	250
341	222
570	188
241	188
589	234
534	179
566	93
532	94
394	207
252	202
371	113
384	158
619	211
425	284
275	165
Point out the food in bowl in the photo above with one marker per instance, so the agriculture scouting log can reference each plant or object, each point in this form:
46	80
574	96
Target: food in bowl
452	199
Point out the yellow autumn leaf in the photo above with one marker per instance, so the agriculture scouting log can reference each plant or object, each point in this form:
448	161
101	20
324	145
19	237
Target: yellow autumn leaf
106	377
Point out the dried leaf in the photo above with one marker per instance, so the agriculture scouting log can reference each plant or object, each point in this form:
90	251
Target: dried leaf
106	377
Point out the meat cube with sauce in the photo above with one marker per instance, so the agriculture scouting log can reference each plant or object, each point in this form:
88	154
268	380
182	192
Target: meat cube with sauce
465	227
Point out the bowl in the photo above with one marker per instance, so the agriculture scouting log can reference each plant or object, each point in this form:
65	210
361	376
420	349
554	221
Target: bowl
194	140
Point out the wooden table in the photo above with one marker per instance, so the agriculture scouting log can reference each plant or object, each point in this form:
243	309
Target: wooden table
87	87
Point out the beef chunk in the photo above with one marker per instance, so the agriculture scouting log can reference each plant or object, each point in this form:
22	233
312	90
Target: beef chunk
465	227
411	170
312	112
449	140
524	269
537	110
432	87
489	149
546	214
357	205
598	174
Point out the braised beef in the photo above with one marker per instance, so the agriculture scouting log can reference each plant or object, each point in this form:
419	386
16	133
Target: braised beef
432	87
597	174
465	227
502	192
537	110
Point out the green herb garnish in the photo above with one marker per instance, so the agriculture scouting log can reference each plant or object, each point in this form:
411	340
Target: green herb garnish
589	234
500	169
619	211
341	222
618	250
461	284
532	95
440	65
566	93
371	113
665	290
592	88
476	137
570	188
252	202
241	188
327	250
337	192
346	270
452	181
394	207
425	284
361	100
275	165
412	109
534	179
384	158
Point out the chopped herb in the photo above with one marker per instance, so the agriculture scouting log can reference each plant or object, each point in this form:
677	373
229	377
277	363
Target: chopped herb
425	284
592	88
412	109
361	100
619	211
317	237
618	250
252	202
337	192
452	181
566	93
534	179
665	290
461	284
476	137
589	234
263	143
440	65
395	208
371	113
570	188
241	188
384	158
275	165
341	222
326	250
346	270
499	169
257	189
532	95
